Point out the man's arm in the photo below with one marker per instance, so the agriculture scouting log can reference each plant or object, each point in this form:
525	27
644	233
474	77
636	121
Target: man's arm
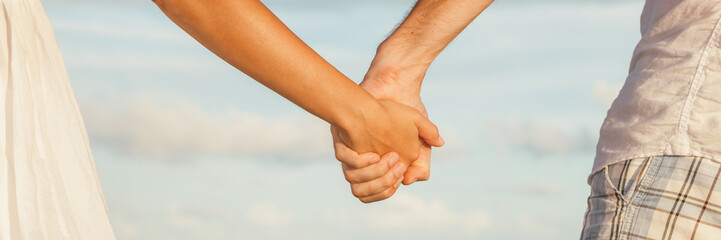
419	39
250	37
396	73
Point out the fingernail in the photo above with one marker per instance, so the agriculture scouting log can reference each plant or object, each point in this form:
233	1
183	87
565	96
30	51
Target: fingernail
399	170
443	142
375	159
398	183
394	159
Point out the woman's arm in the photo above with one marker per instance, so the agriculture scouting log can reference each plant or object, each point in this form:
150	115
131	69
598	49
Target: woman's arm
247	35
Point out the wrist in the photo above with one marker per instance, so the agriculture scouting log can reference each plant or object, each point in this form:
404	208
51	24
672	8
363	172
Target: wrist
407	50
354	116
402	55
394	72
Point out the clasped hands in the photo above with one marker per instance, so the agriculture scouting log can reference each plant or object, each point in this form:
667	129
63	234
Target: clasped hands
393	144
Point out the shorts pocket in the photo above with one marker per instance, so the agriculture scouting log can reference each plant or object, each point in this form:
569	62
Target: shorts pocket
611	189
623	177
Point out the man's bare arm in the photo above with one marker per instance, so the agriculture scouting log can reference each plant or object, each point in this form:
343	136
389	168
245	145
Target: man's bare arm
427	30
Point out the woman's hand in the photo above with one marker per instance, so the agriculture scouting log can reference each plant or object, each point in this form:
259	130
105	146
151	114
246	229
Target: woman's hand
402	85
389	127
371	177
387	80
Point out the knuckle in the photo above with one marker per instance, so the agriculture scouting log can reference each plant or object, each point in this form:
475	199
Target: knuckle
339	155
382	168
386	195
374	173
357	192
369	190
391	191
345	167
350	164
351	178
389	180
387	166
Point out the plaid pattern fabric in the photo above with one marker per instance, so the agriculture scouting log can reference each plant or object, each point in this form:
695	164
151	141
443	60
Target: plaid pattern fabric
663	197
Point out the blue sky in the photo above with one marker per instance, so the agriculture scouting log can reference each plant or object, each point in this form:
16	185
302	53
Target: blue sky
189	148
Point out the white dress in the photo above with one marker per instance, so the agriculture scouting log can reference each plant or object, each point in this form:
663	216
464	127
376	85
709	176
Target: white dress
49	186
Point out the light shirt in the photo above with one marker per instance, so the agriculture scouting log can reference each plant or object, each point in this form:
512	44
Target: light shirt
671	101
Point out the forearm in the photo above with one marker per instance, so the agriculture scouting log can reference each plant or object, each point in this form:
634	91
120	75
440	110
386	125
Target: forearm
427	30
247	35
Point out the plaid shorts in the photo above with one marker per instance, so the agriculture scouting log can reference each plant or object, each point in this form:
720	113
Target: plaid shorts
663	197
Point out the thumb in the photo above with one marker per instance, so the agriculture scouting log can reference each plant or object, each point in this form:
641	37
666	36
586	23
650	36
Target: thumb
429	132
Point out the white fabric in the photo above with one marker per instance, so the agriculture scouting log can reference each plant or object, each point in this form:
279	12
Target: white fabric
49	187
671	101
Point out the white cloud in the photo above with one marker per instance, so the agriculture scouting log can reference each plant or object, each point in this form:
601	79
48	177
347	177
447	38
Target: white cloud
404	211
109	26
542	188
456	147
604	93
268	215
125	229
533	227
196	222
532	188
148	127
512	136
173	127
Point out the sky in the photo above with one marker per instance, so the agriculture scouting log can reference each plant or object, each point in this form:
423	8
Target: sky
188	147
